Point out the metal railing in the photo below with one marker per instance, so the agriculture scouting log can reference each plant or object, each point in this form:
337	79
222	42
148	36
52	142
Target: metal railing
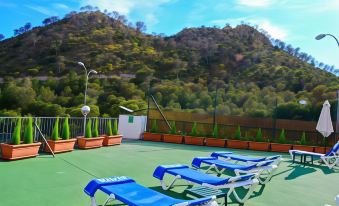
228	131
46	124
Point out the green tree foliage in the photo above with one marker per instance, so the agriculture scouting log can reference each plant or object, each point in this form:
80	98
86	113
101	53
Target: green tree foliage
95	132
194	130
16	138
259	136
282	137
28	135
183	70
55	132
154	127
65	134
173	129
88	133
237	133
109	128
303	138
215	133
115	127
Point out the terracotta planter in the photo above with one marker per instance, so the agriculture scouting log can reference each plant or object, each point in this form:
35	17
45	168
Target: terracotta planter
112	140
259	146
13	152
319	150
237	144
215	142
194	140
155	137
60	145
173	138
303	148
277	147
88	143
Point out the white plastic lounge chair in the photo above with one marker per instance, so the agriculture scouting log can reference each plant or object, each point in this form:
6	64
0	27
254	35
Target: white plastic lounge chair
129	192
264	169
248	181
330	159
246	159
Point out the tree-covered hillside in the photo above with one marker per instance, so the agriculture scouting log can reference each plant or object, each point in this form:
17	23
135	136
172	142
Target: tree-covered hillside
250	70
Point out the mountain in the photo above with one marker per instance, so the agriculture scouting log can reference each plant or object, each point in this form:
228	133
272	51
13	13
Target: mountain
250	70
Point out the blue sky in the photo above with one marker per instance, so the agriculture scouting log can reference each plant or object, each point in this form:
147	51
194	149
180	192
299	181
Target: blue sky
296	22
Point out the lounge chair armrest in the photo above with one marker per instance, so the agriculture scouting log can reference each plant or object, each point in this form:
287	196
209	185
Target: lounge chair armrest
160	171
95	184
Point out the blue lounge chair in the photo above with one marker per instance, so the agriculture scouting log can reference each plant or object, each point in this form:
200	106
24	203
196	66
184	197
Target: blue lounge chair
248	181
247	159
129	192
330	159
264	169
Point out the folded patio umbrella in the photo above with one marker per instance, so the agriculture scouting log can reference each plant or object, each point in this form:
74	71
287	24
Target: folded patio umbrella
324	125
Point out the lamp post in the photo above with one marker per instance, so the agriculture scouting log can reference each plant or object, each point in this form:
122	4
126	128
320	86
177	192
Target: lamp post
215	106
319	37
86	109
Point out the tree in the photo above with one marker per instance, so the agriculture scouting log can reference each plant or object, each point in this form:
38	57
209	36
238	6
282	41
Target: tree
50	20
115	127
17	133
28	138
140	26
237	133
65	130
109	128
96	128
88	133
55	132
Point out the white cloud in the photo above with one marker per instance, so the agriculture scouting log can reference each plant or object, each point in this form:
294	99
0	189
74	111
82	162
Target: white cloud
125	6
275	31
41	10
255	3
149	8
60	6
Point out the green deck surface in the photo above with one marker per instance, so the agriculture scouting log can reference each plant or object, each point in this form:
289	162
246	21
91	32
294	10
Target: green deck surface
47	181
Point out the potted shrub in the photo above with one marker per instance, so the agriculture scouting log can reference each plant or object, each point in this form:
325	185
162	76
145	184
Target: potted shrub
153	135
173	136
60	145
91	140
281	145
112	137
237	142
16	150
215	141
194	138
259	142
303	144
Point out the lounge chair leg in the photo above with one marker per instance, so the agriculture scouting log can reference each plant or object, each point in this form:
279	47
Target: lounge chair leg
93	202
165	187
109	199
248	194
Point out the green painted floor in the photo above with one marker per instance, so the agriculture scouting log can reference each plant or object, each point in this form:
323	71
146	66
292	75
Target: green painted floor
58	181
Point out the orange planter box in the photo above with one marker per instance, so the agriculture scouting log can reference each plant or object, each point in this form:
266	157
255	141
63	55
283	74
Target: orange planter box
155	137
259	146
88	143
237	144
303	148
60	145
215	142
173	138
194	140
277	147
112	140
13	152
